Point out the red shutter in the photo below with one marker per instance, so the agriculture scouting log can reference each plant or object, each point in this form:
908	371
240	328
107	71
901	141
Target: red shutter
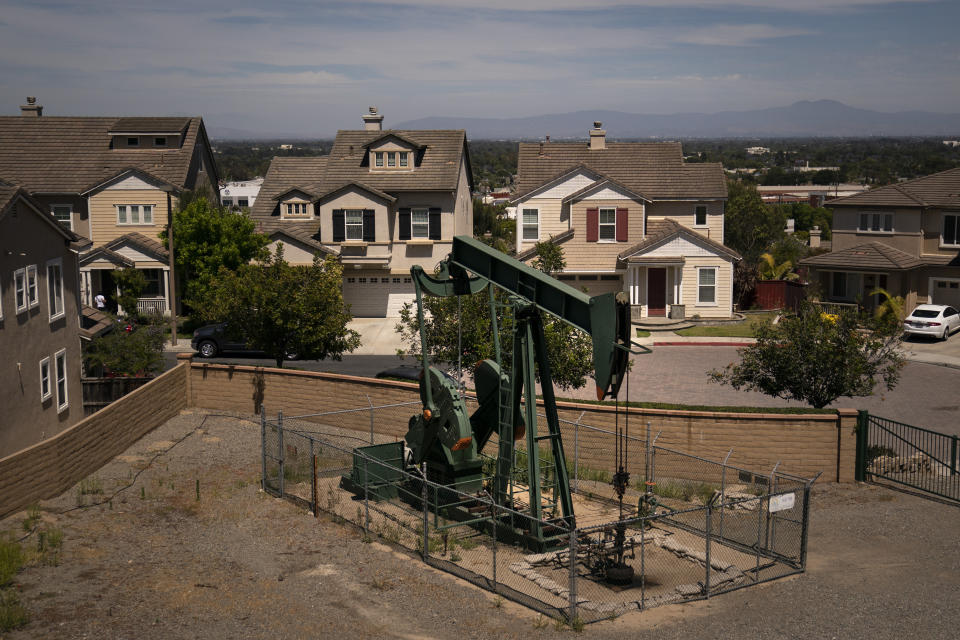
622	218
593	225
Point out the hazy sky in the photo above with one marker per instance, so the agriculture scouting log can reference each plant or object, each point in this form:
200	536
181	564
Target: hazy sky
312	66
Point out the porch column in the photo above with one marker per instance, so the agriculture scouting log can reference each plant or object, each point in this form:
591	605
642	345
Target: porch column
677	285
166	289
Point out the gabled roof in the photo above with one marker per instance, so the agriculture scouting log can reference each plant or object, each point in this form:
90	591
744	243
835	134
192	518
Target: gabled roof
600	184
131	172
111	256
872	256
662	231
305	232
287	173
561	177
311	195
141	242
53	154
655	169
936	190
11	193
397	136
359	185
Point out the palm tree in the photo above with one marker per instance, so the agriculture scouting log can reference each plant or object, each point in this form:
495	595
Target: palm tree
768	269
891	311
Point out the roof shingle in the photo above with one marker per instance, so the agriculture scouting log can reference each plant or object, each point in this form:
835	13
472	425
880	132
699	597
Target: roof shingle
936	190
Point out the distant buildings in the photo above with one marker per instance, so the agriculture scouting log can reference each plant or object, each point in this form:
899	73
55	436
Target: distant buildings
757	151
814	195
241	194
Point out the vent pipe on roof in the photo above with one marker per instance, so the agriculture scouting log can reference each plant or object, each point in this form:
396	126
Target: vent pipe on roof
31	109
372	121
598	137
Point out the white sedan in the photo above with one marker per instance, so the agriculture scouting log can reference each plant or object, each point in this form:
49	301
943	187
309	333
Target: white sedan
932	320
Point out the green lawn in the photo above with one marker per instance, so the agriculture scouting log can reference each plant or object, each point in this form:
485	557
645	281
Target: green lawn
731	330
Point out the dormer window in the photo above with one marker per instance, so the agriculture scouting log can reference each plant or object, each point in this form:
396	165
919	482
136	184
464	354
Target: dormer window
133	141
159	142
403	158
296	209
379	158
391	159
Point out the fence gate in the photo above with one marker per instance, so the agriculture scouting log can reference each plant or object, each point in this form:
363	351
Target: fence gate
911	456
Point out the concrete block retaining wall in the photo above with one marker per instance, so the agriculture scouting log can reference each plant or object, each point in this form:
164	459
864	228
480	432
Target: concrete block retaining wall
804	444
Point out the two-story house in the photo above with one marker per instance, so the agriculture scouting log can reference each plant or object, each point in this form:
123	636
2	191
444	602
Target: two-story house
40	388
383	201
112	180
904	238
632	217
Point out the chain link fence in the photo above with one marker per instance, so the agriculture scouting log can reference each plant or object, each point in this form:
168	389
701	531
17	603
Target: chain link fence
687	528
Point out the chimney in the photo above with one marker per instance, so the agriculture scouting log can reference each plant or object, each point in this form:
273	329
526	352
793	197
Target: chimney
598	137
815	238
372	121
31	109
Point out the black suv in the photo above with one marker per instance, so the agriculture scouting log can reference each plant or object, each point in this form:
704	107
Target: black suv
212	339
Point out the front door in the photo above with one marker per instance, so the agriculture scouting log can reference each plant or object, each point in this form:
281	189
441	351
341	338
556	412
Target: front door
657	292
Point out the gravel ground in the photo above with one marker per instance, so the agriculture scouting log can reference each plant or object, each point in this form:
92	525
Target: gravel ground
153	561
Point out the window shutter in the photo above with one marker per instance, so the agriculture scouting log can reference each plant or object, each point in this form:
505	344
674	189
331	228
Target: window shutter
339	226
434	223
369	226
405	223
622	219
593	225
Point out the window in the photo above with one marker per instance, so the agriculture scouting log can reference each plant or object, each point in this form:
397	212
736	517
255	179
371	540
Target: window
608	225
134	214
407	280
33	295
244	202
403	158
707	285
227	201
354	224
876	222
45	391
419	223
159	142
396	281
20	289
391	159
351	280
700	216
951	229
362	280
63	213
55	288
153	287
61	363
531	224
379	157
133	142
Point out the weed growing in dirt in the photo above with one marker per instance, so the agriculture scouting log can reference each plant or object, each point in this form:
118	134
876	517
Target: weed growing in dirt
455	557
11	560
541	621
498	602
577	624
686	491
33	517
12	613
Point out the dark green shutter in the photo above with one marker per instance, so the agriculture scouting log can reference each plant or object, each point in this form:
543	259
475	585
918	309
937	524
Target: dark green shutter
434	223
405	223
369	226
339	226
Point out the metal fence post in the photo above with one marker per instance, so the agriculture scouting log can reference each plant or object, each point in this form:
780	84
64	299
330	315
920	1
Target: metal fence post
953	455
573	575
643	563
493	534
770	490
723	488
576	452
706	583
371	419
860	472
805	527
263	448
426	512
366	495
313	482
280	447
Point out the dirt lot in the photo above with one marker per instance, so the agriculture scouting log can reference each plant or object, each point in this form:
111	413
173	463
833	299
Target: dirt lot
153	561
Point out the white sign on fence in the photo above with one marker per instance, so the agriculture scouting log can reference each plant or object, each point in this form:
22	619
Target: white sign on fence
782	502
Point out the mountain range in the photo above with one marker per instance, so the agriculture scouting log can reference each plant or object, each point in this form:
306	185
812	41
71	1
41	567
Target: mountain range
817	118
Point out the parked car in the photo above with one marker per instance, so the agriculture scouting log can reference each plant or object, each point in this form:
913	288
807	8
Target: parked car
935	320
213	339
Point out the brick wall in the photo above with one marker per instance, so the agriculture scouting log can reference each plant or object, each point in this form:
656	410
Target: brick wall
51	467
803	444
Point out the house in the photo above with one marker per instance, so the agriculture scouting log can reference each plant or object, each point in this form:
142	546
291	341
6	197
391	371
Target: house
904	238
383	201
632	217
113	181
40	388
240	194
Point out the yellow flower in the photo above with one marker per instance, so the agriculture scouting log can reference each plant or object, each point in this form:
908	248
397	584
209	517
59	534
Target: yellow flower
830	317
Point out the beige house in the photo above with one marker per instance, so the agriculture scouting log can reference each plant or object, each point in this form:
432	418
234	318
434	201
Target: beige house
40	388
383	201
904	238
632	217
111	180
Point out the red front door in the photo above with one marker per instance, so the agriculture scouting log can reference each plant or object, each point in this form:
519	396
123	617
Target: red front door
656	292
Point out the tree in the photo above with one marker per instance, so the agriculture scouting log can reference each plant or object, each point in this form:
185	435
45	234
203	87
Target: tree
207	238
128	350
890	313
459	329
285	310
815	358
750	227
492	227
130	283
770	270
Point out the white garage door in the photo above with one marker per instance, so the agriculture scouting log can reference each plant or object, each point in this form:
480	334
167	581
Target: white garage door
377	296
947	292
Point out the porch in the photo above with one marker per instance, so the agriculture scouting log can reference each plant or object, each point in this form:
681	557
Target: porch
154	298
